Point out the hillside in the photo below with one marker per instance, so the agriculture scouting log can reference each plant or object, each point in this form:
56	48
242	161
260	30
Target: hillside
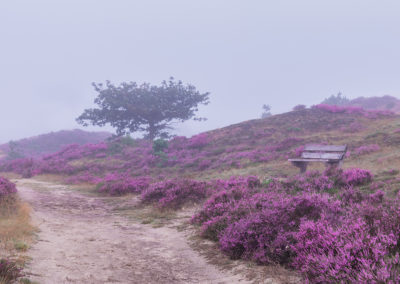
52	142
256	147
325	226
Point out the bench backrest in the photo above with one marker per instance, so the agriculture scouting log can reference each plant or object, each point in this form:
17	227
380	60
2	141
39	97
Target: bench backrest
324	152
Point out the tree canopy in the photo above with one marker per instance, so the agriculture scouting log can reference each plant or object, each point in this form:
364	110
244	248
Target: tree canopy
266	111
146	108
338	100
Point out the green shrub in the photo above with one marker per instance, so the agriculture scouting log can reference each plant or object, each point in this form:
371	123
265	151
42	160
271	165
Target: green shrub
159	145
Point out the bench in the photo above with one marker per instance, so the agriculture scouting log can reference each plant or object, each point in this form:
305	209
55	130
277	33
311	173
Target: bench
331	155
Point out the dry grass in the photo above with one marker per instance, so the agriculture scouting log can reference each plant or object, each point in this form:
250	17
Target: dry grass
146	214
16	231
50	178
59	181
10	175
15	226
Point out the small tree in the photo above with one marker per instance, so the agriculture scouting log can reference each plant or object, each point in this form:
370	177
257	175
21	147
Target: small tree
299	108
14	151
266	112
130	107
338	100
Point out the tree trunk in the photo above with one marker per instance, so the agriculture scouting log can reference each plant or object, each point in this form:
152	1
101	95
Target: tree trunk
152	132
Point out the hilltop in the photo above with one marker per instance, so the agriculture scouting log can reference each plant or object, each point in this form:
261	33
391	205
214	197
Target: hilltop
377	103
383	103
40	145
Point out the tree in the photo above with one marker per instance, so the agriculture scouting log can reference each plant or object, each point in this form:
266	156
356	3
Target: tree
14	151
267	111
299	108
338	100
147	108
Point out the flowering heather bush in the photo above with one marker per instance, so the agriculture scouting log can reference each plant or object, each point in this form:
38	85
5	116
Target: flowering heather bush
311	181
117	184
221	209
363	249
198	141
265	235
175	193
349	237
366	149
249	181
357	176
6	187
345	254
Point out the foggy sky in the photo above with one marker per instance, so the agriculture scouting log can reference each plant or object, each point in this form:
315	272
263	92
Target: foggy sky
246	53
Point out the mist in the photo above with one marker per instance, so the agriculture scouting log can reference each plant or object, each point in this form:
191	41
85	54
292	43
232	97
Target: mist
245	54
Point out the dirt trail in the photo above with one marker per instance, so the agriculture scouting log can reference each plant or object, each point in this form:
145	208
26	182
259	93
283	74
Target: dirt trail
82	241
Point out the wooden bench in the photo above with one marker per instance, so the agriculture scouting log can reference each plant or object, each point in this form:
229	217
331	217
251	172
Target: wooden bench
331	155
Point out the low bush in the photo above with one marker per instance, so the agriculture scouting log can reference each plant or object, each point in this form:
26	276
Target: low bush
118	184
357	176
310	181
8	204
175	193
9	271
345	236
6	188
299	107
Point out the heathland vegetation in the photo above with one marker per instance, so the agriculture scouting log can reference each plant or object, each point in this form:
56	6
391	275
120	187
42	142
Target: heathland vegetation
330	225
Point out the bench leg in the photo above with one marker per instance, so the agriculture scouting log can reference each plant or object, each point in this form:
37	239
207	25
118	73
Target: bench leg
301	165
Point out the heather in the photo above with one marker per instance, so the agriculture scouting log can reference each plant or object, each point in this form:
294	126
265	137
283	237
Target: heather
323	225
117	184
175	193
7	188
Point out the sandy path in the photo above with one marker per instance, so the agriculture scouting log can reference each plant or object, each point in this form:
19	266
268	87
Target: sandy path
82	241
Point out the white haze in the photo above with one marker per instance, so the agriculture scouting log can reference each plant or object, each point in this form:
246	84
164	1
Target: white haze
246	53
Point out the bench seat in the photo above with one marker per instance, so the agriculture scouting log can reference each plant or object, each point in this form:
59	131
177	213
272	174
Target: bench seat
331	155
